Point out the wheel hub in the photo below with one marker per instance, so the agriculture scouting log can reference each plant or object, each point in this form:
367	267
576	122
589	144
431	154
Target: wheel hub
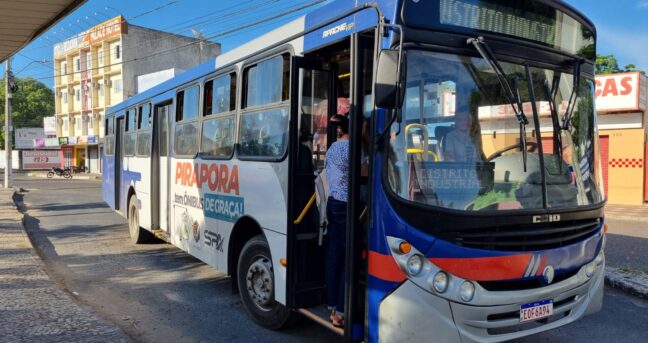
260	284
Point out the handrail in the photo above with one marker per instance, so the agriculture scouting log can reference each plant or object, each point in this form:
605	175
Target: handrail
305	210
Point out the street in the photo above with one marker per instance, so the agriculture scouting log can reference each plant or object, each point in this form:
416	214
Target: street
157	293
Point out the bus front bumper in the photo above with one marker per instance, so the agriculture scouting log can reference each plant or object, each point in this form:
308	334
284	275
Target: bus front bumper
413	314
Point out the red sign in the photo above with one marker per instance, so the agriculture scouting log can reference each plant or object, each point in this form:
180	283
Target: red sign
43	159
621	92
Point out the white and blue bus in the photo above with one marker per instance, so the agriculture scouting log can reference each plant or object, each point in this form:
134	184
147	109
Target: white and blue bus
475	207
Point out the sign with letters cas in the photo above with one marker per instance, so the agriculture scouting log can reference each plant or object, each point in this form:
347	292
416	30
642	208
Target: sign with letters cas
41	159
621	92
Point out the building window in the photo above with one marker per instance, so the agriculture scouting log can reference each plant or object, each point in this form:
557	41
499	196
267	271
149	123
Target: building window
117	52
66	126
78	124
90	124
100	57
101	90
77	95
64	68
65	95
89	61
77	64
117	86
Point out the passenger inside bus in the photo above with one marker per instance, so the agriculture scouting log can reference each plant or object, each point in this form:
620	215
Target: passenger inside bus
337	173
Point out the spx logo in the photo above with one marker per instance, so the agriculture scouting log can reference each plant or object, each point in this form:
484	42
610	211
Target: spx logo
224	207
212	239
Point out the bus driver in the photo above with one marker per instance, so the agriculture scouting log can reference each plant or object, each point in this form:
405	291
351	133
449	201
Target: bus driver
463	144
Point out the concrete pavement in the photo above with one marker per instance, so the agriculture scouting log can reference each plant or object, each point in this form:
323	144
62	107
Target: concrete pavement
32	307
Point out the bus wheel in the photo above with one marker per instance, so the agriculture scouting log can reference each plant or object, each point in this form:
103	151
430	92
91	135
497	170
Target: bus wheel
138	234
256	285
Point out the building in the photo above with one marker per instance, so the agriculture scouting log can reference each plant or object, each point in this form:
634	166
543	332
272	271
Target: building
100	67
622	107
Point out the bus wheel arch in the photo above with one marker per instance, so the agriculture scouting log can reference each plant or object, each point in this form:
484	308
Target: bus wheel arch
244	230
137	233
255	279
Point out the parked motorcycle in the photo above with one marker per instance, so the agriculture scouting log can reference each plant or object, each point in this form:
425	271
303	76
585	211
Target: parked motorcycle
66	173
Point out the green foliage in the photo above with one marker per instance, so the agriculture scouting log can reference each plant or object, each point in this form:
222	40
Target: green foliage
608	64
33	101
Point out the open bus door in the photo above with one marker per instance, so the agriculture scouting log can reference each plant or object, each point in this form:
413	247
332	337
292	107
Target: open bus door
306	251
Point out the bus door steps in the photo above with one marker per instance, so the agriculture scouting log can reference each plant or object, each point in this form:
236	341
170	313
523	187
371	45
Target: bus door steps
320	315
162	234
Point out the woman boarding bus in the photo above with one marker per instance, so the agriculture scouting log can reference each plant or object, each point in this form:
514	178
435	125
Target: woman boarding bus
494	247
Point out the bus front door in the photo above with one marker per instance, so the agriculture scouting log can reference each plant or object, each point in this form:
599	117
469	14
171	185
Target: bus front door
308	136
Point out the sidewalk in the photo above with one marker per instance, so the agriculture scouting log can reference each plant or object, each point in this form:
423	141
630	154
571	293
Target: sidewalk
32	307
627	212
78	176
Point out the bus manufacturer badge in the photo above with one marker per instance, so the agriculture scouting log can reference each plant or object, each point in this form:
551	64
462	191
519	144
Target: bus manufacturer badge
546	218
548	274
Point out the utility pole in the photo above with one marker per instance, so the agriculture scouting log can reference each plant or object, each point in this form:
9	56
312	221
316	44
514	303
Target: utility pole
8	95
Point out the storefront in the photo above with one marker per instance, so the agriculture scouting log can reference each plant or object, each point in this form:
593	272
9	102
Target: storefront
81	153
621	103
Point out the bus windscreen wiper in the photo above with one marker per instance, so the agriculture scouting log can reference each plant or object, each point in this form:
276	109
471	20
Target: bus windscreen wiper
513	97
569	111
550	94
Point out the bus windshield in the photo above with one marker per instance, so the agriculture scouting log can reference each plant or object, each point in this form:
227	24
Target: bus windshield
459	145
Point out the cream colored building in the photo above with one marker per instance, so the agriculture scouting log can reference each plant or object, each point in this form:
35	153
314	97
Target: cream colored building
99	68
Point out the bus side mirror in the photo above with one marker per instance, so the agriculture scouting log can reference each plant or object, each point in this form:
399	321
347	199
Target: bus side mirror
388	87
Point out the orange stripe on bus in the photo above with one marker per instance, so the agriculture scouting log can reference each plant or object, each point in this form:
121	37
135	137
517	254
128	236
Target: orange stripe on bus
384	267
485	268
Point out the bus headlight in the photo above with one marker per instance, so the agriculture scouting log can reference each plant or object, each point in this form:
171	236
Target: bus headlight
599	258
414	264
590	268
440	282
467	291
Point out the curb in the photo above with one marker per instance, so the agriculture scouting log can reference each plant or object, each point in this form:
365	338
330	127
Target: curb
74	176
633	282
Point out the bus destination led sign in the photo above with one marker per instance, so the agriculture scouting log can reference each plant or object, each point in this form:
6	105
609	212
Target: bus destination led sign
492	18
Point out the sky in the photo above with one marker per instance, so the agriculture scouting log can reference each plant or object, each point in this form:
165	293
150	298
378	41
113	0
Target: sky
209	17
622	25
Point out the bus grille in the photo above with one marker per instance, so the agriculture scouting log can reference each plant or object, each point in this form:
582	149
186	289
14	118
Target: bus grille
528	237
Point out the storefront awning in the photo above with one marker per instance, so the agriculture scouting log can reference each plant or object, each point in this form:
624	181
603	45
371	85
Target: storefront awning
21	21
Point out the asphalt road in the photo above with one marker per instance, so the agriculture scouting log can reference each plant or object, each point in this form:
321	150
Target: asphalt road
157	293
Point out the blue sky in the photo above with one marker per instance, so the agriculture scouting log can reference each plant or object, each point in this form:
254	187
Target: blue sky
622	25
622	28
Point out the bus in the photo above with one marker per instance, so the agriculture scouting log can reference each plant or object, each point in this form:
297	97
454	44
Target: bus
475	208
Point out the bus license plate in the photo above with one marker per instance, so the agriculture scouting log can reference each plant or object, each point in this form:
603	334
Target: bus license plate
535	311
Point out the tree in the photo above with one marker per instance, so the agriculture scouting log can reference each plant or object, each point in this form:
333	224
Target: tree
33	101
608	64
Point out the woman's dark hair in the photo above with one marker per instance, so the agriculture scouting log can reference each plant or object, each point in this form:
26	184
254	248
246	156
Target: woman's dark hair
341	121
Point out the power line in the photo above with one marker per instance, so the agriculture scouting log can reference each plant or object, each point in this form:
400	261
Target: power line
225	33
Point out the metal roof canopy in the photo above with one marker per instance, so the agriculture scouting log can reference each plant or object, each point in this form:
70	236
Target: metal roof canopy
21	21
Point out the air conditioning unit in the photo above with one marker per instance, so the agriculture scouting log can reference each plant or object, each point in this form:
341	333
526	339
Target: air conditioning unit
72	120
95	85
107	82
86	118
96	116
59	94
59	121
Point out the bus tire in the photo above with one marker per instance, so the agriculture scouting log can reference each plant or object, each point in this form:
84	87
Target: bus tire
255	276
138	234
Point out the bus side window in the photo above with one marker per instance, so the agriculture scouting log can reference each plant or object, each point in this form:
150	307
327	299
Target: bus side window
218	129
187	131
264	130
130	137
144	133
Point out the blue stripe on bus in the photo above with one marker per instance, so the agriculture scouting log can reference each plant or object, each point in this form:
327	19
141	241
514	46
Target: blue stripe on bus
377	290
